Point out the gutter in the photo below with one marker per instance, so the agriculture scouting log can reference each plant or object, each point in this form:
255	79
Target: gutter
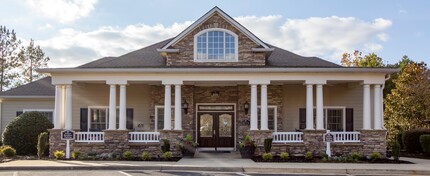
23	97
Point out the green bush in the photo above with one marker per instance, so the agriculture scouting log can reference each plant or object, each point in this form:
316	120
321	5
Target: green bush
411	139
76	154
399	139
268	145
59	154
8	151
308	155
356	156
396	148
166	146
126	155
375	156
425	143
284	155
42	144
23	131
145	156
167	155
267	156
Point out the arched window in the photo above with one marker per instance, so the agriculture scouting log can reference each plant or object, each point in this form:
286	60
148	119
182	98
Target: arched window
215	45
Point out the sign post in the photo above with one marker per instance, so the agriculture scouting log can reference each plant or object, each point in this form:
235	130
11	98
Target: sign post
67	135
328	138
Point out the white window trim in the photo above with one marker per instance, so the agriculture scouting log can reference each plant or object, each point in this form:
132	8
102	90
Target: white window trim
156	116
275	118
236	46
98	107
325	108
38	110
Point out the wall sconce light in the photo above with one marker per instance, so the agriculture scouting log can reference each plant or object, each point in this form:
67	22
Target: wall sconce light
185	106
215	93
246	107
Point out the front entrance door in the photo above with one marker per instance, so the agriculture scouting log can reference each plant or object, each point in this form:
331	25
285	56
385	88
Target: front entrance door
215	129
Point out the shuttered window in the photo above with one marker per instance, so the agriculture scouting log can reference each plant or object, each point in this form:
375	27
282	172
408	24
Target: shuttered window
97	118
335	119
159	117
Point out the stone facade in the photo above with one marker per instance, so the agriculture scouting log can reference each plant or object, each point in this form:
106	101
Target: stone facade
185	57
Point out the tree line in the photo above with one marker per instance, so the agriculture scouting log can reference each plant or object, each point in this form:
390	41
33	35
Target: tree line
18	62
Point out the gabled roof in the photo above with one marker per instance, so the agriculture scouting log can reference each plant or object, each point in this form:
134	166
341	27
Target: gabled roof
36	89
207	16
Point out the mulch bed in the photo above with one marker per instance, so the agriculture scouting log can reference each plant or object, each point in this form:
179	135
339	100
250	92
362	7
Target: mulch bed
277	159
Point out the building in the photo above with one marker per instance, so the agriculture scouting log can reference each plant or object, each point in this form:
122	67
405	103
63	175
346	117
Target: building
218	82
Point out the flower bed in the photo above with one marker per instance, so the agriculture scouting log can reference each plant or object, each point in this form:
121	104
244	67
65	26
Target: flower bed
302	159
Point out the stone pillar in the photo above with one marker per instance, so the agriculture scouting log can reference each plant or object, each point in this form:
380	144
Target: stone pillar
258	137
313	141
112	107
377	118
366	107
115	141
178	110
320	108
309	107
167	108
264	115
254	120
373	141
58	113
122	108
173	136
55	142
68	108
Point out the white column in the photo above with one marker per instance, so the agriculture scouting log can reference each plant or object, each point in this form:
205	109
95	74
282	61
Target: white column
366	107
377	120
58	106
68	108
112	107
122	108
320	110
263	106
254	115
178	108
167	108
63	107
382	107
309	107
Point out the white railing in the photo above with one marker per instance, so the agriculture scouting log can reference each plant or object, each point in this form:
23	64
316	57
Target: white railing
144	137
90	137
287	137
351	136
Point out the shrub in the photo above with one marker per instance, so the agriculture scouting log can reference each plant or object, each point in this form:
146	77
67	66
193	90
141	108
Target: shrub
411	139
267	156
396	150
166	146
167	155
375	156
126	155
76	154
42	144
284	155
268	145
23	131
356	156
425	143
8	151
399	139
59	154
145	156
308	155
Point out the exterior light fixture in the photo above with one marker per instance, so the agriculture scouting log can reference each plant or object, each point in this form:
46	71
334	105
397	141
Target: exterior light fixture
246	107
185	106
215	93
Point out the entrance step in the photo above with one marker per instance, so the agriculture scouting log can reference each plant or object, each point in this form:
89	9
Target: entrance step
218	154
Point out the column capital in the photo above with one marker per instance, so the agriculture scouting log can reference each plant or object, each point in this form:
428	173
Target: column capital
172	82
321	82
115	81
265	81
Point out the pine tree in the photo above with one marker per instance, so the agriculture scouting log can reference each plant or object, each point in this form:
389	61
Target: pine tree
31	58
8	57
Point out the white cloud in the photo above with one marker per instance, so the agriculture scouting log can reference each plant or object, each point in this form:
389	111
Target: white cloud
63	10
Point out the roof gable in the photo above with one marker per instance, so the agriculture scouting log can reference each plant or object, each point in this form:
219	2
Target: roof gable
39	88
205	17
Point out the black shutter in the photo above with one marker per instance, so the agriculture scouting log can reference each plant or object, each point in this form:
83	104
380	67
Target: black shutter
302	118
129	123
18	113
84	119
349	119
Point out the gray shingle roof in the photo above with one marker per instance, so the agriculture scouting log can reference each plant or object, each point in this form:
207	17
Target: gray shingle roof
41	87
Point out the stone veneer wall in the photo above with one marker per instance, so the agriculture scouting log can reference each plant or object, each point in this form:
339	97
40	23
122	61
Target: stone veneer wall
186	47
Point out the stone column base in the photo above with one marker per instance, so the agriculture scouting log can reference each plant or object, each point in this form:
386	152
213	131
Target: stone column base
173	136
258	136
313	140
55	142
373	141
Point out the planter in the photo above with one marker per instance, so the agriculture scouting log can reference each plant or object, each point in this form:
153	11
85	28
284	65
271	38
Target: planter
188	151
247	152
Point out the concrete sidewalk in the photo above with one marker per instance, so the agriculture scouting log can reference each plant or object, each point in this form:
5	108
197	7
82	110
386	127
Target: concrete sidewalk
421	167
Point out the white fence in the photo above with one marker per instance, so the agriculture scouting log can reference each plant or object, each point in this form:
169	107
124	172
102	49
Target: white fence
287	137
351	136
89	137
144	137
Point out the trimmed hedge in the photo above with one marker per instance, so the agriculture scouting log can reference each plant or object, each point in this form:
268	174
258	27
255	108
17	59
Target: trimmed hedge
411	139
23	131
425	143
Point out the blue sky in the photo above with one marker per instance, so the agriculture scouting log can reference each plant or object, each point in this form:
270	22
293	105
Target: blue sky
73	32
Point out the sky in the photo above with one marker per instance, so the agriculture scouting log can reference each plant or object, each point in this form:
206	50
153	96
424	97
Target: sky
74	32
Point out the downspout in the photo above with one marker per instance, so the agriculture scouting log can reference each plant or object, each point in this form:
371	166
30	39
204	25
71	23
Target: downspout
382	102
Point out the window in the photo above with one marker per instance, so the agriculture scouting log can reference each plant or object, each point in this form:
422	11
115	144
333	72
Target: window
334	118
271	115
99	118
48	113
159	117
215	45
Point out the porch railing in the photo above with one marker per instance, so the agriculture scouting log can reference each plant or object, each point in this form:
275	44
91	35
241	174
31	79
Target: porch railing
89	137
351	136
144	137
287	137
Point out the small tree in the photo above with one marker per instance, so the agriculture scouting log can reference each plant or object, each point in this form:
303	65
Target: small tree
42	144
23	131
9	44
31	58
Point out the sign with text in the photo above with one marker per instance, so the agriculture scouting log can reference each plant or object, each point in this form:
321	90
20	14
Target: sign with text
329	137
67	135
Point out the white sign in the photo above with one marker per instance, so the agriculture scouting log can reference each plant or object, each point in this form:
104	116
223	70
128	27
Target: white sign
67	135
328	138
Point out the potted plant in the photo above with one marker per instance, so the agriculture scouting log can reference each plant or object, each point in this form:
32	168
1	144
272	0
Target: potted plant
188	146
247	147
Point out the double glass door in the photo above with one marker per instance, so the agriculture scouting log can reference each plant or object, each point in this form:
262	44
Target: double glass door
215	129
